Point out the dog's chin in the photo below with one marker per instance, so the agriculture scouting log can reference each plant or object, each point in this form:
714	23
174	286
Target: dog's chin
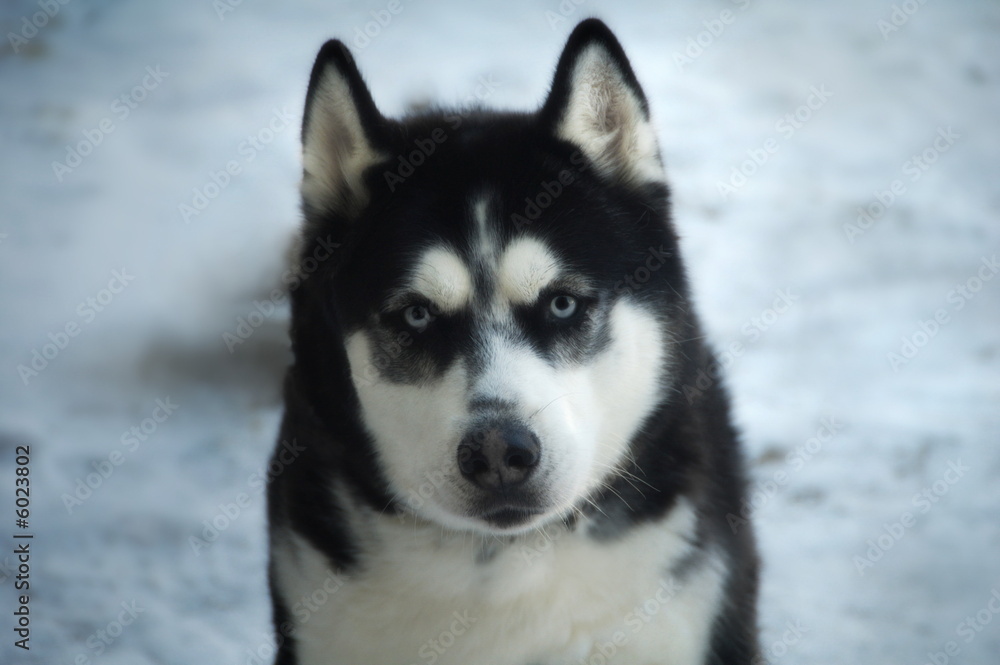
510	519
517	511
497	520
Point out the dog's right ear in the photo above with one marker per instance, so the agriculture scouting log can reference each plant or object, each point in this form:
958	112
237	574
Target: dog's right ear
341	133
597	104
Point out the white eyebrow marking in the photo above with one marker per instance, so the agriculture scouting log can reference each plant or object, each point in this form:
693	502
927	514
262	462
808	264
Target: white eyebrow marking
526	267
441	277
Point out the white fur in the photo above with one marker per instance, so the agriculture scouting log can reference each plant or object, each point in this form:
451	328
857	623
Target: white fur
442	278
335	150
527	267
548	594
605	118
553	597
554	603
485	246
584	416
417	429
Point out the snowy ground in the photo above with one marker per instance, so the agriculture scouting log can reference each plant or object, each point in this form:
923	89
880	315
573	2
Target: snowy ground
877	502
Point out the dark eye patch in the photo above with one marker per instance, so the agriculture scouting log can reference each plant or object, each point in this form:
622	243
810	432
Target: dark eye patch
572	338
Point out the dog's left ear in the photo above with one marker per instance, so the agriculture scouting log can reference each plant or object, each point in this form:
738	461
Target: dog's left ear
341	132
596	103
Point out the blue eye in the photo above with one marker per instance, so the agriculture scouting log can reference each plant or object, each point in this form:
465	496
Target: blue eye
417	317
563	306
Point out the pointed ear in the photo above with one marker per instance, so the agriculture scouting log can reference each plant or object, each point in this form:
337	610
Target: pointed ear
596	103
341	132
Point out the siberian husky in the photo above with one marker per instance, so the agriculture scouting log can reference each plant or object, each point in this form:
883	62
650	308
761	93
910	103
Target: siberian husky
515	447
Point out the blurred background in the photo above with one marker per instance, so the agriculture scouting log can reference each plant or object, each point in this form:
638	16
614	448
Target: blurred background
834	170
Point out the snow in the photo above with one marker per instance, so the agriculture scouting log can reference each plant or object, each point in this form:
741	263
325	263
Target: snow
842	443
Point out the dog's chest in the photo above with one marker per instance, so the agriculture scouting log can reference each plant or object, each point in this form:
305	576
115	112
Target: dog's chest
553	599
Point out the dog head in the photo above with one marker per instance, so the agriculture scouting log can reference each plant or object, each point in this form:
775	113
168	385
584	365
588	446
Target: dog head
502	312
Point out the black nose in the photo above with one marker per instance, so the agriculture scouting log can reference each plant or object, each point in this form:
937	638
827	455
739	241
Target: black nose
498	457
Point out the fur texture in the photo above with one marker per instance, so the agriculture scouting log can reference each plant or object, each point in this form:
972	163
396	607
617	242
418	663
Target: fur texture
508	458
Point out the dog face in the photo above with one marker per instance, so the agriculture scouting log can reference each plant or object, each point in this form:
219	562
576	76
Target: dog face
506	287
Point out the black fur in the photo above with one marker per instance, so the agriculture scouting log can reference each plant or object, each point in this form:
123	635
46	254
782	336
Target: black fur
604	227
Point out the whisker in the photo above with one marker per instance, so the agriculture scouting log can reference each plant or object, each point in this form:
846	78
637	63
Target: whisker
611	489
596	507
549	404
